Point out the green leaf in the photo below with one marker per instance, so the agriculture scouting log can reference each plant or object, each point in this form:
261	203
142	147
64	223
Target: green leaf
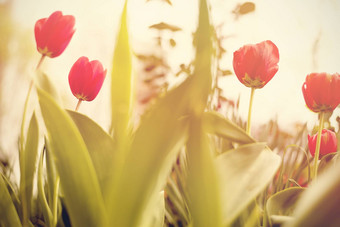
218	125
43	82
203	187
320	204
244	173
121	87
99	144
78	179
28	159
8	213
47	213
282	204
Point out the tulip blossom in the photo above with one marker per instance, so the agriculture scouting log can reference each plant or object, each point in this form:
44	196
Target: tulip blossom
255	65
54	33
328	143
322	91
86	78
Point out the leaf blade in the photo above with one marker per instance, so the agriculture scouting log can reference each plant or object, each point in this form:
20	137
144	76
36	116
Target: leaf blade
73	164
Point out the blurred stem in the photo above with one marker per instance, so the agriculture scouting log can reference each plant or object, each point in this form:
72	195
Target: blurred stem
40	61
22	142
318	143
249	111
78	104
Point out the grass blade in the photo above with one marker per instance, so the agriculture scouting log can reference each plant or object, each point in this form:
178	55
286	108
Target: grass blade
8	214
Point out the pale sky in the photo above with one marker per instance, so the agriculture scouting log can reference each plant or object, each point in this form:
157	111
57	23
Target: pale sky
293	25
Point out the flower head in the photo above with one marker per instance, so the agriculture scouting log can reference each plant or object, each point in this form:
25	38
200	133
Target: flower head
54	33
86	78
328	143
322	91
255	65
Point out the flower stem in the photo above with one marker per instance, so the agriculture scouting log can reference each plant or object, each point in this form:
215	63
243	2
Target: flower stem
78	104
317	148
40	61
22	153
249	111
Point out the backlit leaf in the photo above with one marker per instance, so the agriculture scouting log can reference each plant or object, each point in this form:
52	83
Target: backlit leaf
320	204
78	179
283	204
99	144
218	125
121	87
8	213
244	173
28	159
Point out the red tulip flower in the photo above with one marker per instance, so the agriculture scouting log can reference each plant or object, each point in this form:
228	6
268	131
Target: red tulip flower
86	78
255	65
328	143
54	33
322	91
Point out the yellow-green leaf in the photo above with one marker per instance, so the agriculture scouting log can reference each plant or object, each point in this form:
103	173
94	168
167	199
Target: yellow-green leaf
162	132
244	173
282	204
203	186
28	159
218	125
78	179
121	87
320	204
99	144
8	213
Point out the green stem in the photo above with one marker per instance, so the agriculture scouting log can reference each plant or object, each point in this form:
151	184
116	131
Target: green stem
78	104
249	111
21	161
317	148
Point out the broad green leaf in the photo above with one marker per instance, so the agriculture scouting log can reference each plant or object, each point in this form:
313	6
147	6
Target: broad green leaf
320	204
244	173
8	214
99	144
282	204
157	217
162	131
221	126
203	187
28	161
121	87
78	179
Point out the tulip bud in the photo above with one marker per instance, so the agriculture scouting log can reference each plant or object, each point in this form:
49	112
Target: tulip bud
328	143
54	33
86	78
322	91
255	65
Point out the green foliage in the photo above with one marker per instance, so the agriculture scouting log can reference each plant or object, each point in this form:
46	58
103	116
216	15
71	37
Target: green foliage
237	169
78	178
28	159
281	205
8	214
